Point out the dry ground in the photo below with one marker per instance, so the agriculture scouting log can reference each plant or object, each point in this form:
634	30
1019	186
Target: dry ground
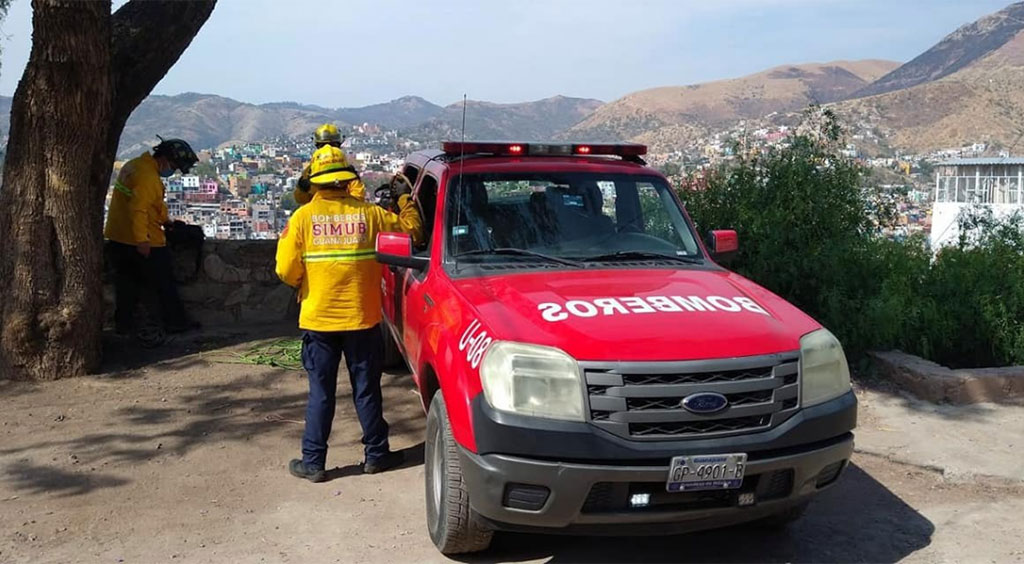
183	460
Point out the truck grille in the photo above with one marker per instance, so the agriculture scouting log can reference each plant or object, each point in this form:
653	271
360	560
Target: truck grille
643	400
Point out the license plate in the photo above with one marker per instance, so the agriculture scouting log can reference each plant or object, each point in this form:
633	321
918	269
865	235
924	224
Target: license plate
706	472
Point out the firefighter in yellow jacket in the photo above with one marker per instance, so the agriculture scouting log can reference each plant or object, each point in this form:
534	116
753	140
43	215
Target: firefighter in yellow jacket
327	250
136	242
326	134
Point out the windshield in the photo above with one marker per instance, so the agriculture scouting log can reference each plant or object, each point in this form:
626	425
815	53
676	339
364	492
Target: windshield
576	216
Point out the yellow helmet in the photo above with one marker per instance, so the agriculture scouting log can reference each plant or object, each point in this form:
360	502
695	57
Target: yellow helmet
325	134
329	166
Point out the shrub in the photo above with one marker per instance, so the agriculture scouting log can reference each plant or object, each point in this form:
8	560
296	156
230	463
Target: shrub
979	283
810	232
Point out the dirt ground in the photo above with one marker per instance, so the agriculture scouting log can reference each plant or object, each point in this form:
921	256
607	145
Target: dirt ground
183	459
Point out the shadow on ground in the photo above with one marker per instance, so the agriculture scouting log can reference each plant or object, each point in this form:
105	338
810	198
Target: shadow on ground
859	520
413	456
30	478
262	401
122	355
980	412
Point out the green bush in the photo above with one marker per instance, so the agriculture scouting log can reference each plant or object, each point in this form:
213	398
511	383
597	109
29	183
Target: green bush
979	283
810	231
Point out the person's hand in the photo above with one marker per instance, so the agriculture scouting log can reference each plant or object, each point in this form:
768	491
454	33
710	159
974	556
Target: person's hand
401	185
143	248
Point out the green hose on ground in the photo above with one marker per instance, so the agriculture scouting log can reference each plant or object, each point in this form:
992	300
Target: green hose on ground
283	353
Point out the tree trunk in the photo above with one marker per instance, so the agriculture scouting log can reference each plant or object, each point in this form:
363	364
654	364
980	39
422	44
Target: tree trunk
87	71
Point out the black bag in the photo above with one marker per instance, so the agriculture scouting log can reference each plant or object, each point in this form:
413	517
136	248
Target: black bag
182	237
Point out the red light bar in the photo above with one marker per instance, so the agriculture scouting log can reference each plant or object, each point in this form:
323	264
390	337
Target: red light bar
516	149
616	149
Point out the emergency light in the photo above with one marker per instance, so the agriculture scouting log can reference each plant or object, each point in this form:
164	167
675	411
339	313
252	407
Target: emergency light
542	149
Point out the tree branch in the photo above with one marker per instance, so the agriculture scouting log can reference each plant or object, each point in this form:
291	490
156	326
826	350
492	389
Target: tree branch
148	38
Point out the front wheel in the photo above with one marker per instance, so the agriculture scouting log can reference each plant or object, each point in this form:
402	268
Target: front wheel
450	521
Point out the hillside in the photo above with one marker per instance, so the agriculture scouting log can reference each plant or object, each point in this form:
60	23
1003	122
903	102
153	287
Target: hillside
530	121
714	104
208	121
404	112
980	101
958	50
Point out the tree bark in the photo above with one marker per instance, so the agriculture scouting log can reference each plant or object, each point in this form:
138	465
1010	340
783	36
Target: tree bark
87	71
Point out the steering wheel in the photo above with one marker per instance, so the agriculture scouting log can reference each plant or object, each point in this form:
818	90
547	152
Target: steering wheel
399	179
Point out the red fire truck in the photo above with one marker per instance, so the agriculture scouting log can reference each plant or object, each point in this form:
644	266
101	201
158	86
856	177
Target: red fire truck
586	363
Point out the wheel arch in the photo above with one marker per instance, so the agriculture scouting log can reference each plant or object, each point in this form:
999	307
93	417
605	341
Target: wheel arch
428	386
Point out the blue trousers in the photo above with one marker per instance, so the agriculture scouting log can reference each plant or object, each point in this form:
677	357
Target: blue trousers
321	357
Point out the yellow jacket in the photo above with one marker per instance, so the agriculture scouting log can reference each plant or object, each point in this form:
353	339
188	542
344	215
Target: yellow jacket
137	209
327	250
304	190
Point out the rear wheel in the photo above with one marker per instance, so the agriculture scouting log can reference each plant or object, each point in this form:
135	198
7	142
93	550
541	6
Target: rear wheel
451	522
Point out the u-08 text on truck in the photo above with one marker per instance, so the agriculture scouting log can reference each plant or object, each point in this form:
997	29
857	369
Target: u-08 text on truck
586	364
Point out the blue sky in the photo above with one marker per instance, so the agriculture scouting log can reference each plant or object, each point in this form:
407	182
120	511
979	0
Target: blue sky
349	53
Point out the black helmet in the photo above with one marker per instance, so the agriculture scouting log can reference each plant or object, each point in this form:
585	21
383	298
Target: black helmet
178	152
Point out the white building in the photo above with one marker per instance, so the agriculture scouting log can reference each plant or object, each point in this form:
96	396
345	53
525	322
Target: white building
995	183
190	182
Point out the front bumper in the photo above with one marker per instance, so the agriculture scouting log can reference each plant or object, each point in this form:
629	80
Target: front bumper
587	491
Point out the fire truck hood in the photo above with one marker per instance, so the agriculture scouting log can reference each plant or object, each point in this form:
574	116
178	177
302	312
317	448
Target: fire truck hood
638	315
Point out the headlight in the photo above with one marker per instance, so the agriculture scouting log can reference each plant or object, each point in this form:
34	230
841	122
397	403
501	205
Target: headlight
532	380
823	368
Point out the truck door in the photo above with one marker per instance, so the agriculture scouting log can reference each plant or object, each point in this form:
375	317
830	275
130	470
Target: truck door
394	279
410	303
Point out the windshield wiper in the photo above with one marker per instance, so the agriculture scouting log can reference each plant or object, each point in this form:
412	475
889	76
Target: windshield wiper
520	253
641	255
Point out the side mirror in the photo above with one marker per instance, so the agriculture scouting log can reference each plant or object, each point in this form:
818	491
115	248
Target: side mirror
723	244
395	249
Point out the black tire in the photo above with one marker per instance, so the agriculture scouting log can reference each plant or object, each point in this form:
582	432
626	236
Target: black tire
392	357
452	526
784	518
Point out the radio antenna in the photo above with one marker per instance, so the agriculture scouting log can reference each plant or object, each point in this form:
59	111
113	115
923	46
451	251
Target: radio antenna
458	188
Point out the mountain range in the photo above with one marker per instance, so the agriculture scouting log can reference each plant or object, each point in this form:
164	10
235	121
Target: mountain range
722	103
208	120
965	89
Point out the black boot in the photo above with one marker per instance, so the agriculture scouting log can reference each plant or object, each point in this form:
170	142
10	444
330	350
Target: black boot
299	469
384	463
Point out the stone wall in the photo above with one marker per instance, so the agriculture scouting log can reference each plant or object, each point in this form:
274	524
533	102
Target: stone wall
236	283
936	383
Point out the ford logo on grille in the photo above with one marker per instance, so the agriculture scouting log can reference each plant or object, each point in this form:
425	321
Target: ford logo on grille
705	402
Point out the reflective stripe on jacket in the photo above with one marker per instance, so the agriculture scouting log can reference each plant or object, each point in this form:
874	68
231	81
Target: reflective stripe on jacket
327	250
304	190
137	209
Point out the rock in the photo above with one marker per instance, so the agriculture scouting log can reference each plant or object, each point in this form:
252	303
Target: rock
239	296
218	270
206	293
278	300
214	267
